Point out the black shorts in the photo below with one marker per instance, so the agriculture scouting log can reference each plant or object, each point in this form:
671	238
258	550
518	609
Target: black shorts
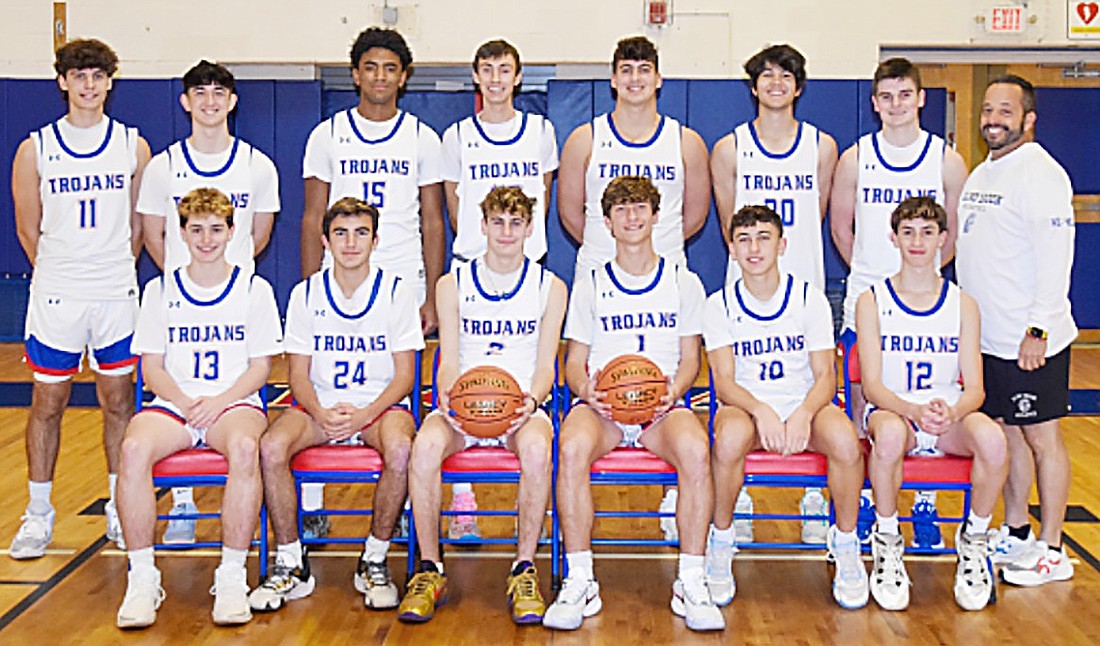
1020	397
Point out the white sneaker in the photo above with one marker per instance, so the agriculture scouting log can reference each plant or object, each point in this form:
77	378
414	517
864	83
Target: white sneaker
850	587
974	588
1052	565
230	596
34	535
374	582
1006	548
814	504
692	602
719	569
668	523
576	600
181	531
143	597
742	527
889	580
286	582
114	525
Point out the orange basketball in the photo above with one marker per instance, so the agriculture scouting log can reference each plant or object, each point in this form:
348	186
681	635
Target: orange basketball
485	400
634	387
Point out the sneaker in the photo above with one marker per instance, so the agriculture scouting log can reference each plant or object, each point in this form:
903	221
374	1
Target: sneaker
692	602
33	537
524	597
181	531
425	592
668	523
742	527
1051	565
376	584
850	587
814	504
1006	548
114	525
577	599
718	569
317	526
286	582
230	592
926	531
974	588
889	580
463	525
866	521
143	597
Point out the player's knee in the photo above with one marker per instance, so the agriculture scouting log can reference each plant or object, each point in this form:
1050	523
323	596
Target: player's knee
135	455
1044	441
534	455
48	403
427	452
990	444
575	450
396	451
891	436
274	450
732	440
242	450
117	402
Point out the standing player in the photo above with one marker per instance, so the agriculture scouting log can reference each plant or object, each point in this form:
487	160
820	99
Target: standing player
74	182
787	165
872	178
206	335
918	333
504	310
634	139
352	333
1015	257
769	339
212	157
636	303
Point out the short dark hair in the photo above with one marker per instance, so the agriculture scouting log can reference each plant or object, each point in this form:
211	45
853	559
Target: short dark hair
497	48
896	68
785	56
205	201
923	208
390	39
752	214
347	207
633	48
206	73
1027	96
508	199
86	53
629	189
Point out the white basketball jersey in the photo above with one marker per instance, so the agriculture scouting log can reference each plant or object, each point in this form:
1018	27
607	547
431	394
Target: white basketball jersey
887	175
786	183
920	349
84	249
487	163
501	329
660	159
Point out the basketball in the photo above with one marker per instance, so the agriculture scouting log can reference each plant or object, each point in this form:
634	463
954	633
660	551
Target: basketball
485	400
634	387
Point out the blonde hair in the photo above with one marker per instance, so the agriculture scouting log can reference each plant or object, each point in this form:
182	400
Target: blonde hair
508	199
205	201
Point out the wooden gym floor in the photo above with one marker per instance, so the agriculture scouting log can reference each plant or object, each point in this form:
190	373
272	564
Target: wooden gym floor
71	595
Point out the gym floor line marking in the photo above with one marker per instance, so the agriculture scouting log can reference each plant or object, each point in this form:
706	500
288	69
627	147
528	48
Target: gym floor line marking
49	552
52	582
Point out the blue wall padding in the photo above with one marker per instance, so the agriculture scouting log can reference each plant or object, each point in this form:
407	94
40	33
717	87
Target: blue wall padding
1066	126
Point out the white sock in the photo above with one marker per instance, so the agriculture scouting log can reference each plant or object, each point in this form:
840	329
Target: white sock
690	567
141	559
40	496
840	538
112	482
183	496
234	558
290	554
313	496
580	565
976	524
374	550
726	535
888	524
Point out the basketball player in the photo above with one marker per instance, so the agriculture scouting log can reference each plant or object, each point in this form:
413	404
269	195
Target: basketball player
918	333
637	303
872	178
352	332
787	165
210	156
74	182
634	139
206	335
769	339
502	310
1015	256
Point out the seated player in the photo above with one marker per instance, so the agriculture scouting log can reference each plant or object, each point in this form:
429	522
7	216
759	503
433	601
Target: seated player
656	306
206	334
352	332
917	334
769	339
501	310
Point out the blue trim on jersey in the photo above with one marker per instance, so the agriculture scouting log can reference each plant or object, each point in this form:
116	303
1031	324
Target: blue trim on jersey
764	317
507	142
370	301
196	302
214	173
900	169
769	155
912	312
635	292
505	296
72	153
51	360
355	129
630	144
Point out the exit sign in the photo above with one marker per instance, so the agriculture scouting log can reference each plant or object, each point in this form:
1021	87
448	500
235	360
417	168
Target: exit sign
1005	20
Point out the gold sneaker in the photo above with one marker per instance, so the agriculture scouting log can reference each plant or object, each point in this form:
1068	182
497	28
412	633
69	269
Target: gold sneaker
524	598
425	591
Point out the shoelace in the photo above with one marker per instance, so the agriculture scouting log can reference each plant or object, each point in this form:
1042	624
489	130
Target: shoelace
572	591
377	574
33	526
525	586
281	577
972	556
421	584
696	594
847	560
892	567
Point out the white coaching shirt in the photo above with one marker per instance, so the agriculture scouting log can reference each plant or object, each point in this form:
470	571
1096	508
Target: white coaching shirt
351	341
616	313
479	156
771	340
243	173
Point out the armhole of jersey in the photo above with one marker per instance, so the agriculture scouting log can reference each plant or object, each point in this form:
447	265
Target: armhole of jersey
309	283
39	143
393	288
726	300
251	281
805	293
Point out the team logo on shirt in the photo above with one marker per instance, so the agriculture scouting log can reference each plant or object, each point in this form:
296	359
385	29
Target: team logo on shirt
1025	405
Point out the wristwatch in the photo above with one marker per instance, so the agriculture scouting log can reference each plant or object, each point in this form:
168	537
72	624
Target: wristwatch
1037	333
